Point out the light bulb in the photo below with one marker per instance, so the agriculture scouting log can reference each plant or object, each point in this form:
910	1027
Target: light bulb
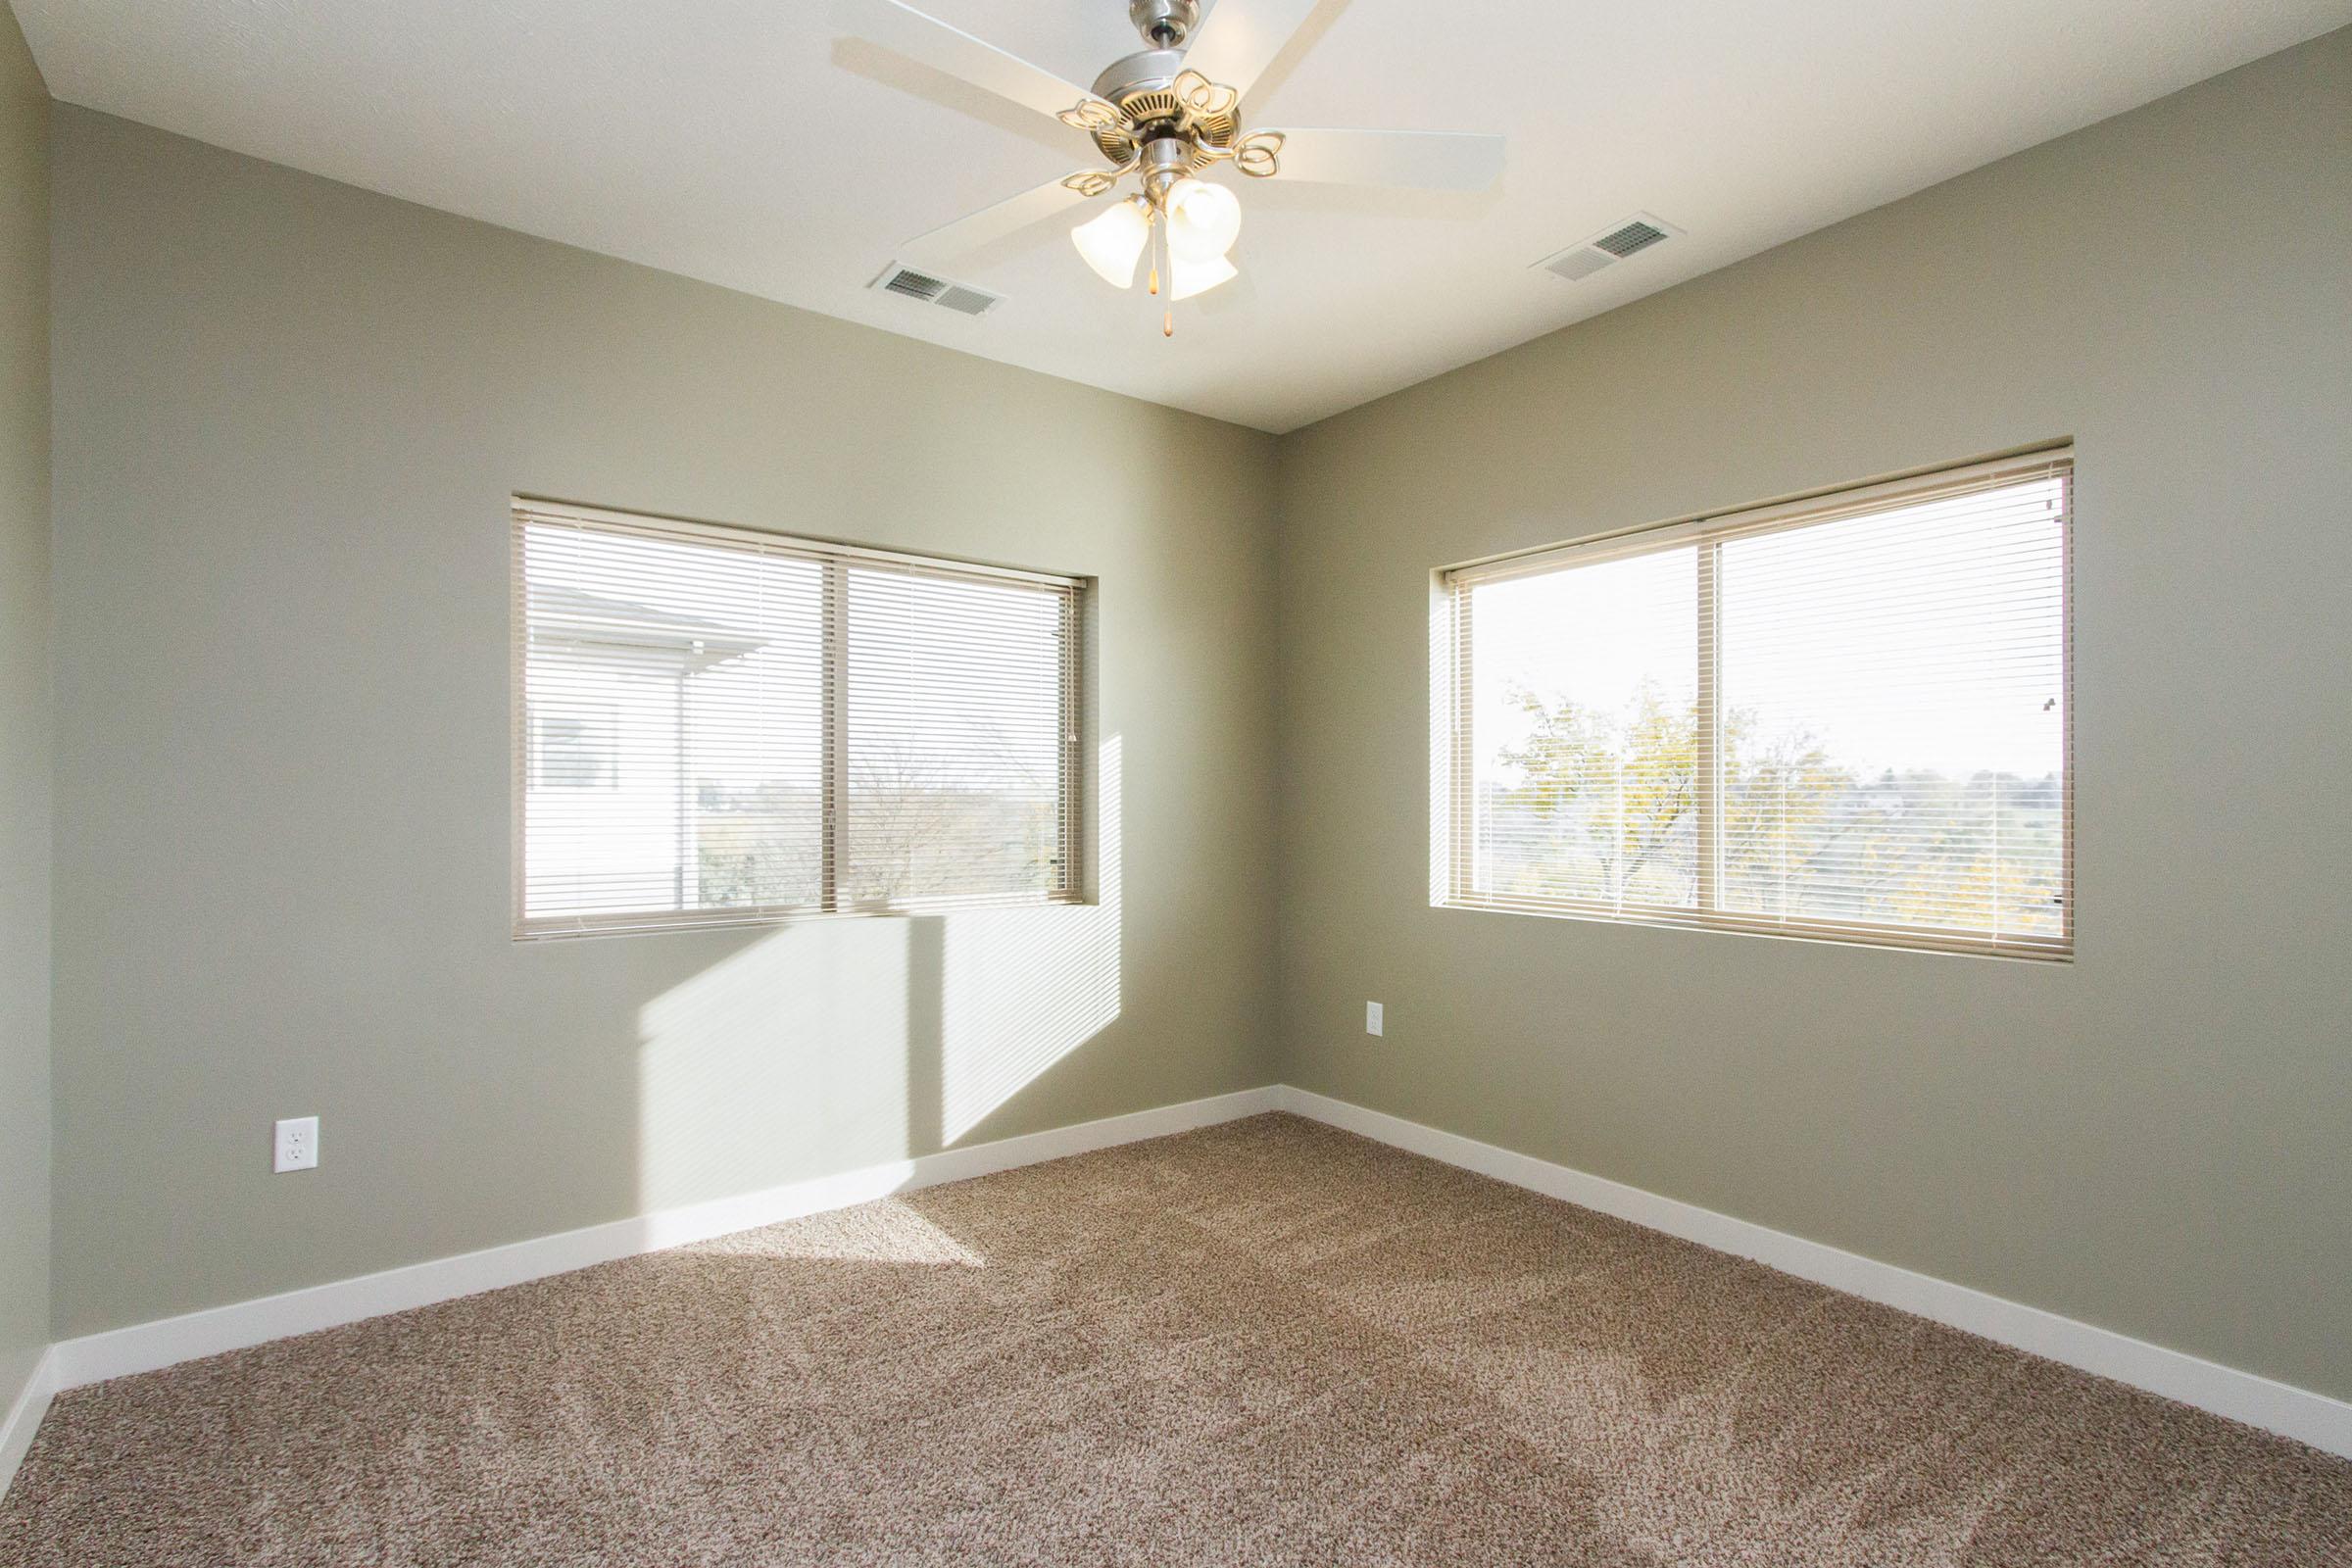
1113	242
1199	278
1203	220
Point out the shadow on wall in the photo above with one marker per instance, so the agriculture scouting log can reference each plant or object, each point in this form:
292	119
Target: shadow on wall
841	1042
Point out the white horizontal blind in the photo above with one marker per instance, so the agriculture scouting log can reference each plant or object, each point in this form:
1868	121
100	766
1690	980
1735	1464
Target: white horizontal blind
956	736
721	726
1847	718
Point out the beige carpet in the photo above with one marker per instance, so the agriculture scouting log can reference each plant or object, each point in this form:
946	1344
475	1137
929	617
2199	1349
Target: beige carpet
1264	1342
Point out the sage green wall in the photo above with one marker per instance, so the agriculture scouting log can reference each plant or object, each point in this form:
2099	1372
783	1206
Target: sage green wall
24	714
2154	1139
289	414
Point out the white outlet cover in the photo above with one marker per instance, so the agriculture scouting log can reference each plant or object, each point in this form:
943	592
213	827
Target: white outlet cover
297	1143
1372	1018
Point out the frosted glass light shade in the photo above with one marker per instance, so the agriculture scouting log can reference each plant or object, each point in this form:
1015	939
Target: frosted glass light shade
1113	242
1203	220
1188	279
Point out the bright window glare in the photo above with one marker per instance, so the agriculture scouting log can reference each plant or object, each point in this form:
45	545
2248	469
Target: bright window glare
1894	688
723	725
955	743
1582	685
1831	725
697	673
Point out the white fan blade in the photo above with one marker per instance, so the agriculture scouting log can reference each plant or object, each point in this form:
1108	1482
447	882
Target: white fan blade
991	223
1423	160
905	30
1241	38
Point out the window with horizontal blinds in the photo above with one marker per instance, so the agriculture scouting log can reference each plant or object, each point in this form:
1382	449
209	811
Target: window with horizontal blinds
1847	718
722	727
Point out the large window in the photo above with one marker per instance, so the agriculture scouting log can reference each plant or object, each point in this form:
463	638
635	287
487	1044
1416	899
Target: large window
719	726
1847	718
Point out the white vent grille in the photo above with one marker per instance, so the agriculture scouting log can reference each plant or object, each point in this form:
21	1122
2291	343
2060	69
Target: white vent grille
1579	264
1609	247
957	297
971	301
1634	236
913	284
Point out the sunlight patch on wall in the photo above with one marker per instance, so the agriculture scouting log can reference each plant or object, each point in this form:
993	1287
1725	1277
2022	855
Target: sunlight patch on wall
833	1044
1022	988
785	1060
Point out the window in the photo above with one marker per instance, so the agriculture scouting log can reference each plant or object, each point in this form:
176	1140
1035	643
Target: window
721	726
1847	718
571	747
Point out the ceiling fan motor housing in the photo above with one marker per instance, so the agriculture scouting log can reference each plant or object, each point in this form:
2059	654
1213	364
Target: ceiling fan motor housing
1148	70
1164	23
1142	88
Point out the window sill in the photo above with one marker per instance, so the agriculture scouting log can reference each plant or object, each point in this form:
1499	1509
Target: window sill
1885	939
544	930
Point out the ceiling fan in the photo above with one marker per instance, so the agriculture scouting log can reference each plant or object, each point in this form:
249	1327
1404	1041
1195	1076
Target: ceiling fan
1165	116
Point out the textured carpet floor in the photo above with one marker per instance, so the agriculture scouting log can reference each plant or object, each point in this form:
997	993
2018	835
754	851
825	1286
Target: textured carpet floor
1264	1342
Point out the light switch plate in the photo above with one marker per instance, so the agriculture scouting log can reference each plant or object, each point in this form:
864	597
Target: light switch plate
297	1143
1372	1018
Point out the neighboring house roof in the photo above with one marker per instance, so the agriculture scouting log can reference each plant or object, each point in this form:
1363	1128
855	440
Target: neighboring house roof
568	616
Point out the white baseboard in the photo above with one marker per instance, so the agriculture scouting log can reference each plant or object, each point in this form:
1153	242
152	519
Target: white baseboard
25	1413
145	1347
2314	1418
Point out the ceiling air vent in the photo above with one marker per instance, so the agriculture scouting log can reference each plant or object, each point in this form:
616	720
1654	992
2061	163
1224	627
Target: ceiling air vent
896	279
1634	236
971	301
1606	248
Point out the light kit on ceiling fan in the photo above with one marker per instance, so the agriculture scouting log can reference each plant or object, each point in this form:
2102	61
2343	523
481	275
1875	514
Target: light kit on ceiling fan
1163	116
1203	220
1115	242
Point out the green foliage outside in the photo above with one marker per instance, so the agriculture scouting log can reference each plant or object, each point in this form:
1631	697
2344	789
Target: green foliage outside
1606	810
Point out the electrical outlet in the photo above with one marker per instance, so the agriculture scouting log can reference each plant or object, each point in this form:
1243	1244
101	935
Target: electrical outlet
297	1143
1372	1018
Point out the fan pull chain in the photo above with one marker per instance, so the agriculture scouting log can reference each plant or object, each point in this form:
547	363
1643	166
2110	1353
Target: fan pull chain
1159	248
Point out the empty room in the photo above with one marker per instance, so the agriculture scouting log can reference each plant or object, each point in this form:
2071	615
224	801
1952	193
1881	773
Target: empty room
1175	783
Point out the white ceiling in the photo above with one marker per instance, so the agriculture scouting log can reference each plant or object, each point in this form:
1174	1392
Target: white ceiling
740	142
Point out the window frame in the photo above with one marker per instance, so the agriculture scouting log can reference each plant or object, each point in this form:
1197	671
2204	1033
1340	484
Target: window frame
1452	758
836	558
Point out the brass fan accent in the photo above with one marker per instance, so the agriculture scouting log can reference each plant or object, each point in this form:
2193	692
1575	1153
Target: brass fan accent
1204	115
